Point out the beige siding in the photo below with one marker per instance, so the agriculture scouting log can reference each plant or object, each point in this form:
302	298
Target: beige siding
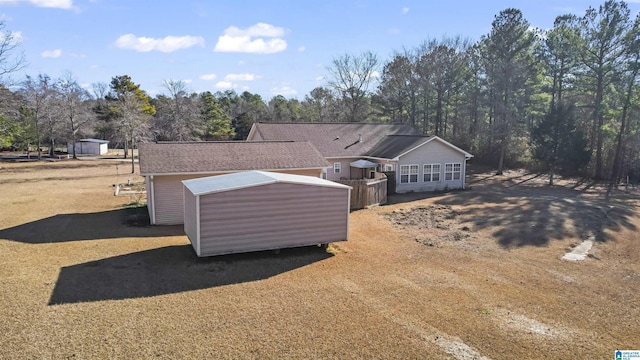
191	218
169	202
272	216
433	152
345	173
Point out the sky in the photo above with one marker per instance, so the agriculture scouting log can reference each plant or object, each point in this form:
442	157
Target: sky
266	47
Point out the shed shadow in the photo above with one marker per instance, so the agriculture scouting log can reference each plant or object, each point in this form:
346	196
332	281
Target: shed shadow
112	224
170	270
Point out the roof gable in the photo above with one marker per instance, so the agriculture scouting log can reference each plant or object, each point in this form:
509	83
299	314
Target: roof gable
210	157
333	139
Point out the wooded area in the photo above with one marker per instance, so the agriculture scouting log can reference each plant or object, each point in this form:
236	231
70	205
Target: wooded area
562	100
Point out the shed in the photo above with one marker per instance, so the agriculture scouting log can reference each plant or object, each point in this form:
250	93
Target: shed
258	210
89	146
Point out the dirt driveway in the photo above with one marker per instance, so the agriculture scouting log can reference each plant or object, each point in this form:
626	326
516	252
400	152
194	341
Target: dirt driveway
463	275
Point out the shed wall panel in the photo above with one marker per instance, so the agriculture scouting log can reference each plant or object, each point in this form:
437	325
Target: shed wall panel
190	218
169	204
272	216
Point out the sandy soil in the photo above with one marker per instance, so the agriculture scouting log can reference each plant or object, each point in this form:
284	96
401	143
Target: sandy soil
462	275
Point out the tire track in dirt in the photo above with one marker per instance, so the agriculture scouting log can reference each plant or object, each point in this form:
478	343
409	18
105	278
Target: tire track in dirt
451	345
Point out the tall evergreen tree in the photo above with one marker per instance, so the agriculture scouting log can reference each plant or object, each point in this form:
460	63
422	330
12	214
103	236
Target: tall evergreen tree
558	143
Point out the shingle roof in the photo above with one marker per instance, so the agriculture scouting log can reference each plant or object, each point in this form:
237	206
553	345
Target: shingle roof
334	139
394	145
220	156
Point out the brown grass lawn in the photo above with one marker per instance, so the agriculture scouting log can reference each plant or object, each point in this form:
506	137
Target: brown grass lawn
464	275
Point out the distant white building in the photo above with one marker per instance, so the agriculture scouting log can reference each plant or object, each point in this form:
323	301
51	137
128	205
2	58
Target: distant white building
89	146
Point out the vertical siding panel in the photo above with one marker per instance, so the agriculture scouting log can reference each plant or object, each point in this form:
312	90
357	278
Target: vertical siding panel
169	200
190	218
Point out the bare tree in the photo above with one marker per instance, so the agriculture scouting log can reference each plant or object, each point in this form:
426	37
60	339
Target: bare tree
178	114
352	78
38	94
73	106
10	62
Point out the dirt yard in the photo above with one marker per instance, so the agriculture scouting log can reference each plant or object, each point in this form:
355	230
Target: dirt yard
474	274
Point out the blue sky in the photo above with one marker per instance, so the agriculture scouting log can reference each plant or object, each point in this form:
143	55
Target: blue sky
265	47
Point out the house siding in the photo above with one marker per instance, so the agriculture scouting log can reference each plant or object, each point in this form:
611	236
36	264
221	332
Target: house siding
169	201
345	171
272	216
168	194
433	152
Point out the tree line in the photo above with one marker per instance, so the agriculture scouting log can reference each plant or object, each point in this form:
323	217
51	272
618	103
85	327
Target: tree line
562	100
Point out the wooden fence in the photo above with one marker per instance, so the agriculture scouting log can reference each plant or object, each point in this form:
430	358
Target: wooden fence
367	192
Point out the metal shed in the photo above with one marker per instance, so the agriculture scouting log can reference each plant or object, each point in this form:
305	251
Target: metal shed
257	210
89	146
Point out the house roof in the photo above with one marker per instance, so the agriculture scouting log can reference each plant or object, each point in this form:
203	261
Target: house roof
165	158
246	179
394	146
333	139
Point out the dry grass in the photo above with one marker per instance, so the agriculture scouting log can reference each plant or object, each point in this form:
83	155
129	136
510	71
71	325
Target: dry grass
77	281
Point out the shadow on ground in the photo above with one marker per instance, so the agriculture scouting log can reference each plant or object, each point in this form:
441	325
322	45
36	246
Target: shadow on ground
170	270
90	226
533	216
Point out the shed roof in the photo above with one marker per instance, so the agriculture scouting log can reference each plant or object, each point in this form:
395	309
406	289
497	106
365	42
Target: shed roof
334	139
99	141
246	179
164	158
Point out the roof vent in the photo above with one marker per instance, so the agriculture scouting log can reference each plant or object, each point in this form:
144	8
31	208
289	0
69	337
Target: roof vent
359	137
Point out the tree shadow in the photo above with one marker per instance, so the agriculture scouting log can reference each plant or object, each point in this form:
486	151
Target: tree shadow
170	270
112	224
534	216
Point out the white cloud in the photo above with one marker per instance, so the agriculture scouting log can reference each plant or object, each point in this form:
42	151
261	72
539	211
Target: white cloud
251	40
241	77
284	91
51	54
393	31
57	4
375	74
187	81
257	30
166	44
302	49
207	77
320	78
405	10
225	85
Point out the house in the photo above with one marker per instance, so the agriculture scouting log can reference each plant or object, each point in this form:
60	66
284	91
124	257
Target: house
89	146
166	164
360	150
256	210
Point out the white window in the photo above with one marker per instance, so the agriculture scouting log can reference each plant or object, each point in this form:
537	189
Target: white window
431	172
452	171
324	174
408	174
388	167
337	167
